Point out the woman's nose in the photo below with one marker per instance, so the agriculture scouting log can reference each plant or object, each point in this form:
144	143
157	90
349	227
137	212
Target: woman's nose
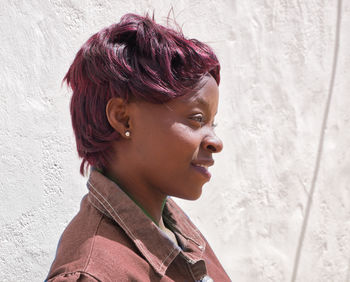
213	143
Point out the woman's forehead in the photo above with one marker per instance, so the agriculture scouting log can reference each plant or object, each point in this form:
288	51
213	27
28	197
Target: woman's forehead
206	96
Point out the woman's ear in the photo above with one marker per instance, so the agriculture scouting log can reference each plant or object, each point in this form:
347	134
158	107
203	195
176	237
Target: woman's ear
117	112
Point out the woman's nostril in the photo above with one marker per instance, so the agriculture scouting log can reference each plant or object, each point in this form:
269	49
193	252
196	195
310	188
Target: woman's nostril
211	148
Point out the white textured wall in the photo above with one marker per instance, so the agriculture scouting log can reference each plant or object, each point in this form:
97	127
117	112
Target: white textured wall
277	58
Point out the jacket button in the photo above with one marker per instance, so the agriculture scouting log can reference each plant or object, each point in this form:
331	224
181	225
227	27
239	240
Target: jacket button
207	279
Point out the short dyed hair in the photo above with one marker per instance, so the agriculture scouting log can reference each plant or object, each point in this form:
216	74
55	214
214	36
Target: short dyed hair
135	59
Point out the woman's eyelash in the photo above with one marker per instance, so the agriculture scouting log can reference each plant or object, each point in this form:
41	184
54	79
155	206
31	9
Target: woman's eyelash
201	119
198	118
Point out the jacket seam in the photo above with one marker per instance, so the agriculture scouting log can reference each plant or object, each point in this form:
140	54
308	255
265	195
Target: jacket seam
159	268
73	272
198	240
92	245
190	271
96	207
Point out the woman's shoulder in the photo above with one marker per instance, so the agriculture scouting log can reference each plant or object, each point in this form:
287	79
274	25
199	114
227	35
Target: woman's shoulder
92	247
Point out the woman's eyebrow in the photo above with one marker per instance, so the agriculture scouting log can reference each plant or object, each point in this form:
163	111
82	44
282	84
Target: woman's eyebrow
202	102
197	101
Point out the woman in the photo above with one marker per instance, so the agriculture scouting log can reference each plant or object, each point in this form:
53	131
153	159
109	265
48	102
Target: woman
143	107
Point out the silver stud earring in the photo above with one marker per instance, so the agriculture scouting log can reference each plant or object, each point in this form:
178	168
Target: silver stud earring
127	133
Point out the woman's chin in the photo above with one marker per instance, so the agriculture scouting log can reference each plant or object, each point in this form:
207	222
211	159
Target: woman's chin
195	195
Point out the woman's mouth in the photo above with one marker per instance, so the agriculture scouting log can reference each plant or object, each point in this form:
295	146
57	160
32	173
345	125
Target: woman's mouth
202	169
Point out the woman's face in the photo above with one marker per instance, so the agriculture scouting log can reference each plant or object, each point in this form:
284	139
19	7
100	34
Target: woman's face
172	144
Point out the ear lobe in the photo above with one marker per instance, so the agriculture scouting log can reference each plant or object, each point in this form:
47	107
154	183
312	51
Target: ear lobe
117	114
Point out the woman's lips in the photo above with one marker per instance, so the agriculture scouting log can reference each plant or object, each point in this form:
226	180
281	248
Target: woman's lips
203	170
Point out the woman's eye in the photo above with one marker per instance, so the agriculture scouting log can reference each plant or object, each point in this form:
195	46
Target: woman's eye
198	118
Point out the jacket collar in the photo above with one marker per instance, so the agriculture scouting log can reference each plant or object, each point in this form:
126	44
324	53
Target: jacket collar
106	196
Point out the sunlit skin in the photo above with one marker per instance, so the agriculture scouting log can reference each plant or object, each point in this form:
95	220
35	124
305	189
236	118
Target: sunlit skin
166	142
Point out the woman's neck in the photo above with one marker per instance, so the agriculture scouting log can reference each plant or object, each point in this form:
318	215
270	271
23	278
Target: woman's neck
149	200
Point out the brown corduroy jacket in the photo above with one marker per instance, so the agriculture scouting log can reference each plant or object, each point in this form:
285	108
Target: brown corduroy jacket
111	239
